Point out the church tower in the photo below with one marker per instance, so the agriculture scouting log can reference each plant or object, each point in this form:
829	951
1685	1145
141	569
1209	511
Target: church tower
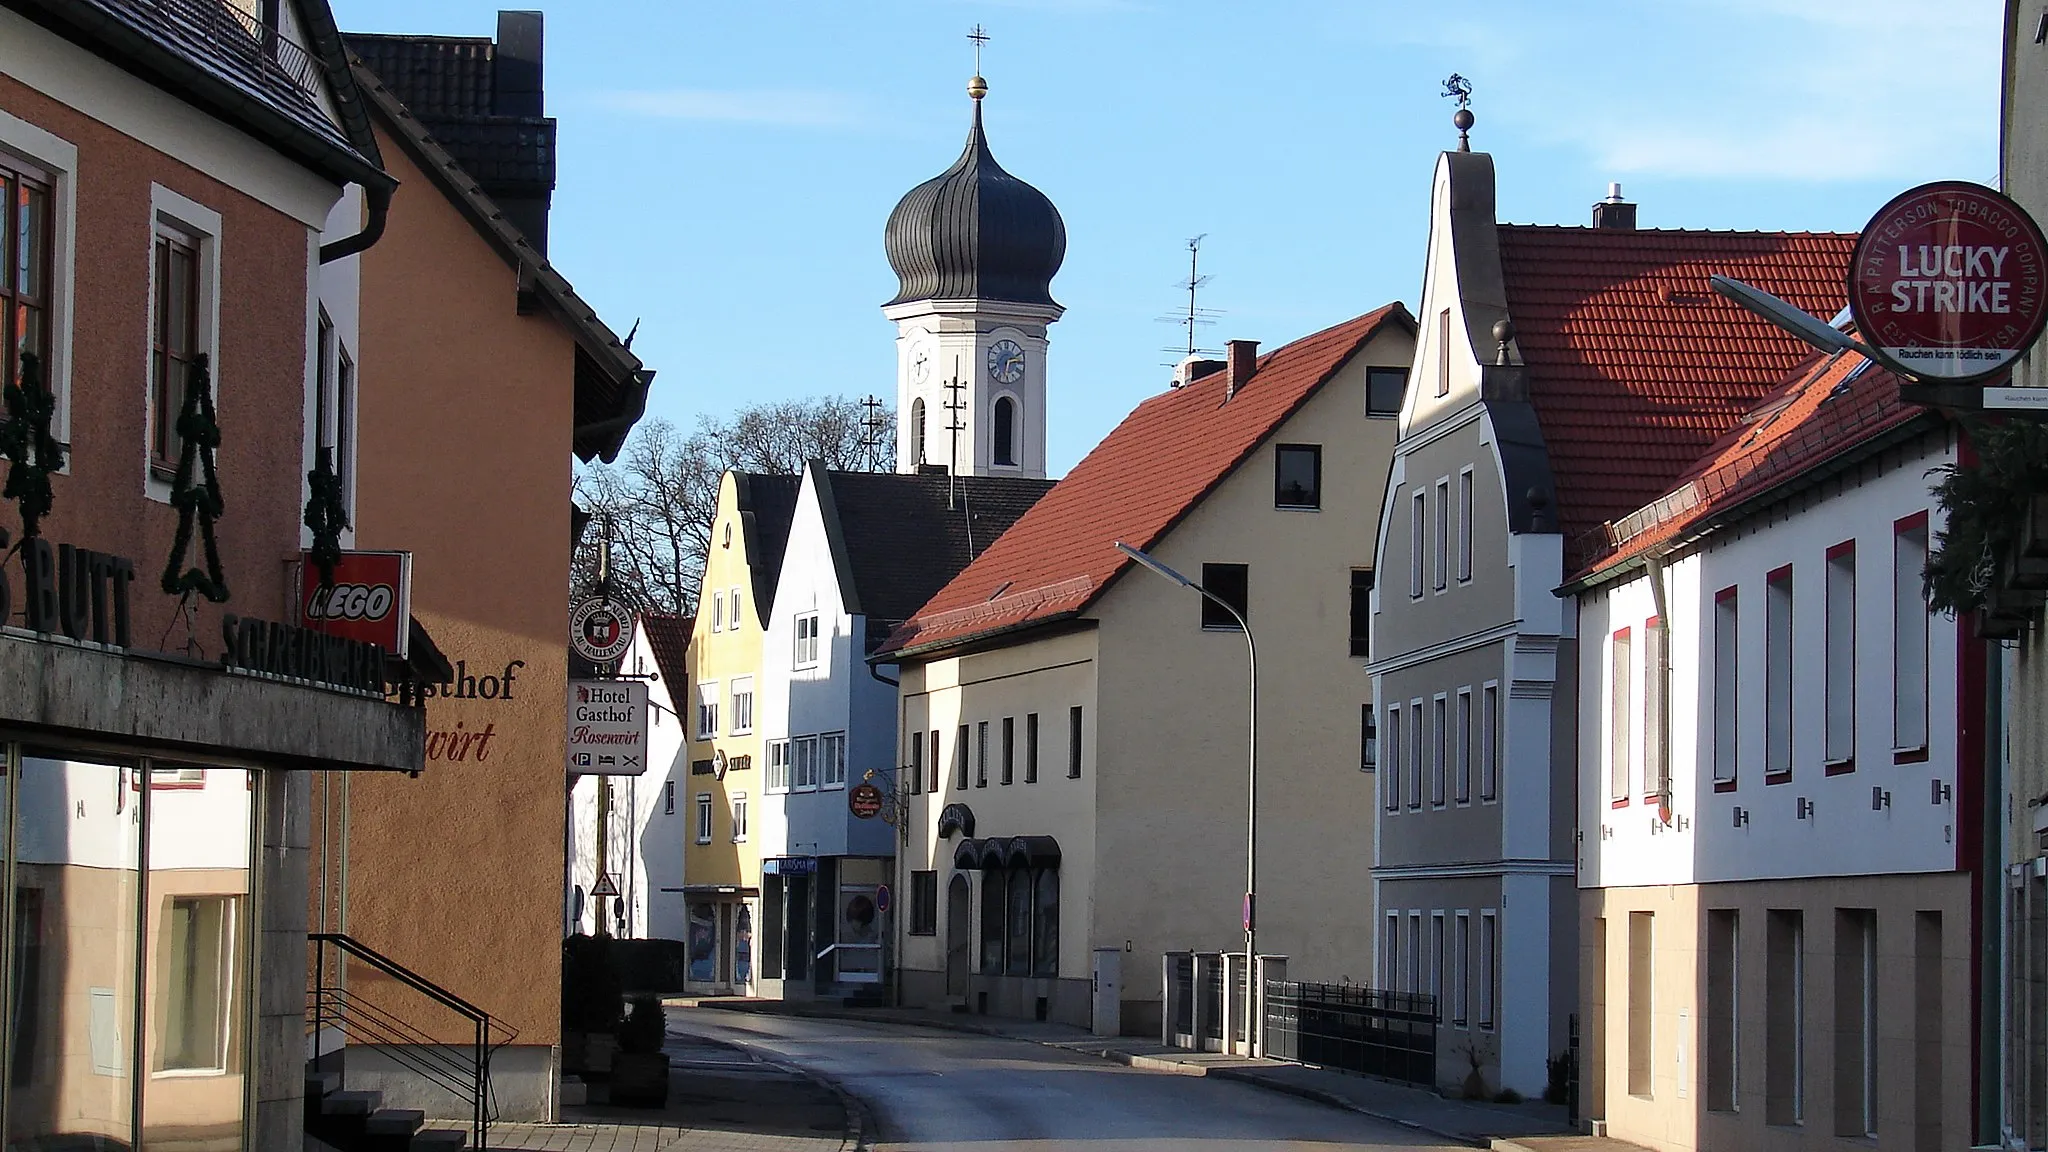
974	250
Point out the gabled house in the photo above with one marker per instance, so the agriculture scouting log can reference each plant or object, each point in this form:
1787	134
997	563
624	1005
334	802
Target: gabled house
1564	377
480	376
1781	770
172	187
1075	729
630	828
721	859
866	550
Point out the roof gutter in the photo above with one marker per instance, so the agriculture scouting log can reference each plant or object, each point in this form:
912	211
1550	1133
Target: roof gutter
1707	526
378	199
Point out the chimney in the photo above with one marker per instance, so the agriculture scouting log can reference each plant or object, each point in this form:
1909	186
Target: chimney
515	74
1614	212
1194	368
1241	360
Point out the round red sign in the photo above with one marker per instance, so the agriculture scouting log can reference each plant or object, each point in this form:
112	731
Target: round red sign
1950	282
865	801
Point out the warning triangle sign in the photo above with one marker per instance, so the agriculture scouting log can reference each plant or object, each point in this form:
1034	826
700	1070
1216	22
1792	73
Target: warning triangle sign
605	886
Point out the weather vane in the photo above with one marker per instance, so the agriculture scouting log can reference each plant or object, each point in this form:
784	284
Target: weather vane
1460	89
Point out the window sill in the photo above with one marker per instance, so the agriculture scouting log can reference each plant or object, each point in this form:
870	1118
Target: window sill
1222	628
186	1073
1618	802
1771	778
1297	507
1910	755
1724	785
702	843
1839	767
915	932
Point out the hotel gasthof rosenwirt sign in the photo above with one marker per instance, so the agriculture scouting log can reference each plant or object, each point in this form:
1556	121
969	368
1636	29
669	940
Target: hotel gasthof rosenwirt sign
1950	283
607	727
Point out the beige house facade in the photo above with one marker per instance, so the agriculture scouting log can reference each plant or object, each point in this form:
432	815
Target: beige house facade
1075	729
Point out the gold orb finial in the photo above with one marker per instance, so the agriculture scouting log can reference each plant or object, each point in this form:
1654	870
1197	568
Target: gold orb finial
977	88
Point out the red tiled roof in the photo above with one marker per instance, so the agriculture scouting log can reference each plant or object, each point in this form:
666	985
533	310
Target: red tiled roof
1636	365
1136	485
1832	405
669	636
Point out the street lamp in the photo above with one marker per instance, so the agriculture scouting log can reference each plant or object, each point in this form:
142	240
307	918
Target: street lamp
1255	1017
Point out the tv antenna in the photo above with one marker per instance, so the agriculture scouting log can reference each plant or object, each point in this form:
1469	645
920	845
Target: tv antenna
870	446
1195	316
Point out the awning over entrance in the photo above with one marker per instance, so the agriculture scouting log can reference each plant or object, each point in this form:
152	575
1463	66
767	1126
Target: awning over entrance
999	852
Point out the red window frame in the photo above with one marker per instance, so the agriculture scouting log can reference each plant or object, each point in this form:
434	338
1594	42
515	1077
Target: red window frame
25	273
1725	595
173	343
1848	764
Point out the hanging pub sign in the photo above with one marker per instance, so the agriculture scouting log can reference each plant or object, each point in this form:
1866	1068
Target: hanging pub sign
607	727
370	600
598	631
1949	283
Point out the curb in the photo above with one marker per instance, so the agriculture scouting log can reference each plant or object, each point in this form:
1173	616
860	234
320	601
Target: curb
854	1138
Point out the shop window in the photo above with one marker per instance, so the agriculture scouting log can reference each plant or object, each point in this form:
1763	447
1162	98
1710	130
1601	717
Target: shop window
1017	940
924	903
994	894
1045	919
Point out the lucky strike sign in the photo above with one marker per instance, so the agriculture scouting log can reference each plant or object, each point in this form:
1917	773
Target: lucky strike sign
1950	282
371	599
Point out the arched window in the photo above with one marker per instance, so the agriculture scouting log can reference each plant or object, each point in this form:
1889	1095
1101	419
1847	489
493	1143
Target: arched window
1006	431
917	431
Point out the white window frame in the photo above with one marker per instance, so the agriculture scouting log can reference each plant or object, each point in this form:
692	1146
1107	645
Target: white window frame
704	818
179	217
739	817
707	709
732	616
1465	526
1620	697
1442	541
803	764
1418	539
1417	736
1439	738
804	630
742	697
1656	773
1909	638
717	612
1489	742
1462	757
58	158
777	778
832	760
1489	968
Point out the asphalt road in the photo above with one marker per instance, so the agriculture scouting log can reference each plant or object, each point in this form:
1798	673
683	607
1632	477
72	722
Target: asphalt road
927	1089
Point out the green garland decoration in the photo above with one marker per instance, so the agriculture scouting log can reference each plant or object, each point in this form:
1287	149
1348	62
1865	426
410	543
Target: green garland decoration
1984	505
32	453
200	433
326	514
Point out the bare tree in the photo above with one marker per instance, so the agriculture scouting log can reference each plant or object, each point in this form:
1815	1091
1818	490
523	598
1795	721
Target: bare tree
659	501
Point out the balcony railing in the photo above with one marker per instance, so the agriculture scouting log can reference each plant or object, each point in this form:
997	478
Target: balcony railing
269	58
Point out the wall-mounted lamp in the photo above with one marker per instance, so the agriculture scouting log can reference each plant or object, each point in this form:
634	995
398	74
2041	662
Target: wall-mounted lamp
1880	798
1741	816
1684	823
1805	808
1941	792
1607	831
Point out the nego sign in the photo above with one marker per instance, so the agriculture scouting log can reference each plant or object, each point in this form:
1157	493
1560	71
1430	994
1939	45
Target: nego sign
371	599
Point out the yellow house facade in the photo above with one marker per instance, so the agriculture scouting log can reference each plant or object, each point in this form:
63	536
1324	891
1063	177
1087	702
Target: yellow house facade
721	858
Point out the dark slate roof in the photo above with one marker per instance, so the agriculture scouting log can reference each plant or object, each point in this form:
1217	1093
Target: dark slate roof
897	539
213	56
767	505
449	83
975	231
611	382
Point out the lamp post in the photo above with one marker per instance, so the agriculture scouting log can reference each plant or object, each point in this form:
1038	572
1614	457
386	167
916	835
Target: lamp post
1255	1022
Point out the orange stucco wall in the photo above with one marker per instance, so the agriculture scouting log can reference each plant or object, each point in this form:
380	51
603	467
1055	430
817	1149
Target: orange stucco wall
465	419
259	376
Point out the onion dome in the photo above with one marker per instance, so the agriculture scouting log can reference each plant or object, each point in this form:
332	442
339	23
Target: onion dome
975	232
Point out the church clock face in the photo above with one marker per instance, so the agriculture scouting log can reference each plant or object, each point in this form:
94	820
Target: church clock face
1005	362
920	364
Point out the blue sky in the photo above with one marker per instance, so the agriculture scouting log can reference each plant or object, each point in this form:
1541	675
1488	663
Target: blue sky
726	168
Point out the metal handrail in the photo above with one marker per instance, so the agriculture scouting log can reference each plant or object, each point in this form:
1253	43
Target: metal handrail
373	1024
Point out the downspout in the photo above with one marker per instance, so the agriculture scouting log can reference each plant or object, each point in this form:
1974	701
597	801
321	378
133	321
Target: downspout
378	198
1654	567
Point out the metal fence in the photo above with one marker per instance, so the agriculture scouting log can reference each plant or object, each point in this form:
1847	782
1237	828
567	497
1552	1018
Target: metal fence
1353	1028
